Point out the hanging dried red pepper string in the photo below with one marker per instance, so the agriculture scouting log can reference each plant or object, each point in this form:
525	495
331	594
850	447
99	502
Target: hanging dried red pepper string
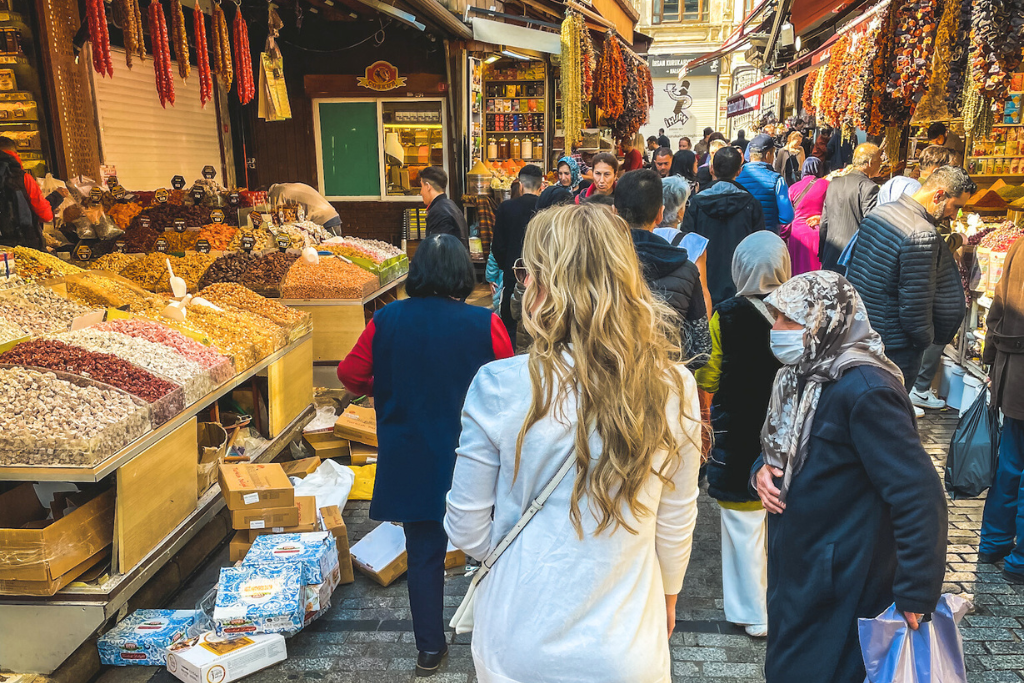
243	59
202	56
161	54
96	17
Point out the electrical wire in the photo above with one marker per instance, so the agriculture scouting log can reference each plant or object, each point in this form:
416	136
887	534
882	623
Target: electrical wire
377	37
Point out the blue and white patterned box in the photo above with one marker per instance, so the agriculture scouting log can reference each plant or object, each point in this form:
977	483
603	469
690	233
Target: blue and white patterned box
144	636
316	552
262	598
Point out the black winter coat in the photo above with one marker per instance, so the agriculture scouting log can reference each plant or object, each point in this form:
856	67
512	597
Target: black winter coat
864	526
445	217
510	221
848	200
740	404
907	277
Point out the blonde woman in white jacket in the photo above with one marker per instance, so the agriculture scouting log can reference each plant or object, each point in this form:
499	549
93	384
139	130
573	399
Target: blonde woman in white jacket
587	592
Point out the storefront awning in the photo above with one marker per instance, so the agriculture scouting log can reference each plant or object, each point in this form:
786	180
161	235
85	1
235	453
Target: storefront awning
498	33
751	24
808	15
748	99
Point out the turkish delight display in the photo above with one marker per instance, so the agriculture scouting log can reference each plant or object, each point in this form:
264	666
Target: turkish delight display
315	552
145	636
263	598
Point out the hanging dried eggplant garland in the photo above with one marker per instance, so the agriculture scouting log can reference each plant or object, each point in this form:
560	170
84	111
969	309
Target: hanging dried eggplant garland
634	112
572	83
161	54
126	14
808	96
998	38
202	56
243	59
885	49
222	48
96	17
932	106
180	39
611	79
958	64
914	43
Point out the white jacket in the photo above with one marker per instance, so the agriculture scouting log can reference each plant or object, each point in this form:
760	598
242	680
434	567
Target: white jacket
556	608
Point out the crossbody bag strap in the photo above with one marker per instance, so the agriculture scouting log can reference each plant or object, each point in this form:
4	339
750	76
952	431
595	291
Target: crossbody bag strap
531	511
796	202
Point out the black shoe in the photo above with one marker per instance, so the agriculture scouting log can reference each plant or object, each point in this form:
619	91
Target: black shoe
1013	577
992	558
428	663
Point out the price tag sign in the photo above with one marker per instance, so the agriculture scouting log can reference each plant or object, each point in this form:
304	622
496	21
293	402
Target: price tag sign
178	182
179	225
112	181
257	219
283	241
198	195
209	172
96	194
217	216
120	246
161	245
248	242
145	222
118	192
160	196
83	252
234	198
203	246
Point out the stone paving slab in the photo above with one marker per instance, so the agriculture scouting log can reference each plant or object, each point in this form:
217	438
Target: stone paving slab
367	636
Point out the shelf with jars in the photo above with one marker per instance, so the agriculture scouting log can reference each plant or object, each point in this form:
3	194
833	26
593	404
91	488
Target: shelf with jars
516	111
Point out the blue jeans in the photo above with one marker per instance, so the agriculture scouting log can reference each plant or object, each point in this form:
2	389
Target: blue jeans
1004	508
426	544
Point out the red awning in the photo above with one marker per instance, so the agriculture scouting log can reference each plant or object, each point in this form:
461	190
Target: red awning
748	99
736	39
808	14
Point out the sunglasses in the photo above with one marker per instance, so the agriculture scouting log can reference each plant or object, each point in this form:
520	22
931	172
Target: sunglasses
519	268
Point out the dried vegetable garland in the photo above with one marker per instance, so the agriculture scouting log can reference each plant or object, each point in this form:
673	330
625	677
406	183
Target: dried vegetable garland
96	17
611	79
915	29
180	39
634	101
933	105
588	59
222	48
958	64
202	56
572	83
806	99
885	48
161	54
243	59
997	40
977	112
128	16
830	86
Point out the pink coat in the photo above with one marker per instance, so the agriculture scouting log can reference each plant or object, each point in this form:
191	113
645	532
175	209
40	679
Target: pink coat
801	237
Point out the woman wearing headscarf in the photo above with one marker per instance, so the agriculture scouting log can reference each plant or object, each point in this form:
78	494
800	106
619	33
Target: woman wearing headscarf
684	165
857	516
740	375
808	197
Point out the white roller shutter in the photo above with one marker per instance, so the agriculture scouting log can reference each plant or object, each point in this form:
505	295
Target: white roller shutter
147	144
689	122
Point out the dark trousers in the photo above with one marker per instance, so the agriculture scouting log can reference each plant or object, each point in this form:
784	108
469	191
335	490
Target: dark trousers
909	362
931	361
426	544
1002	526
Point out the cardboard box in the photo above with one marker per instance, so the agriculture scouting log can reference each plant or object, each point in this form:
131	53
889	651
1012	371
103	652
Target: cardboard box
262	598
245	487
146	635
362	454
45	556
326	444
262	518
381	554
318	595
239	546
42	588
315	553
333	522
307	520
301	468
357	424
213	441
215	659
454	558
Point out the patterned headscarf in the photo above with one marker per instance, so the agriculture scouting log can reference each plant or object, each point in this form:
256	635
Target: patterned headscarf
837	337
574	169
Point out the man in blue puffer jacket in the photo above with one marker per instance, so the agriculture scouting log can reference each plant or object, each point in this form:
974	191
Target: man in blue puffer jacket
905	272
768	187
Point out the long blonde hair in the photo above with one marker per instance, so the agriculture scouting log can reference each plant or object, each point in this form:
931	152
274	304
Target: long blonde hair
599	333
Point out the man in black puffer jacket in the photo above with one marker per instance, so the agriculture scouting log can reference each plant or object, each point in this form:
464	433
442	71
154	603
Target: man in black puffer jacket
904	271
667	269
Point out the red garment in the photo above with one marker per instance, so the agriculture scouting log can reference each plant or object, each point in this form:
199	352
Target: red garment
40	206
633	160
356	371
591	190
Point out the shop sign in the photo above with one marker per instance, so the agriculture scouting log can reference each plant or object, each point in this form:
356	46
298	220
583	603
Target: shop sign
144	222
198	194
257	218
160	196
284	241
248	242
96	194
741	104
178	182
669	66
381	76
83	252
120	246
217	216
203	246
161	245
209	172
179	225
112	181
118	192
233	198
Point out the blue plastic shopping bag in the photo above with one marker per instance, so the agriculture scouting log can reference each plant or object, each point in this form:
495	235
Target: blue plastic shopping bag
893	653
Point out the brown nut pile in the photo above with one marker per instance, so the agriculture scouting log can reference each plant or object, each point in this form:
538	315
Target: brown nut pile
38	265
113	262
332	278
268	271
230	294
227	268
94	289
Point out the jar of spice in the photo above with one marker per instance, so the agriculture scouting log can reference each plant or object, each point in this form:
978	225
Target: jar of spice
527	149
492	149
515	148
503	148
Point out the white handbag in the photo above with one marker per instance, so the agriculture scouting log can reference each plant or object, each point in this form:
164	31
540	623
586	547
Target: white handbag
462	622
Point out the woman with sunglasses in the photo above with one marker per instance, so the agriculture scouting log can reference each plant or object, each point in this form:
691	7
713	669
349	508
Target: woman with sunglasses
417	358
587	591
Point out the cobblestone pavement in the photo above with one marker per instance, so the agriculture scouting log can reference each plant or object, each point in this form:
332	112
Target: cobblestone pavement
367	636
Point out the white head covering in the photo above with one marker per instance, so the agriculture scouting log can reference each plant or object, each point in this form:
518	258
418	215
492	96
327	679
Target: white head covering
760	264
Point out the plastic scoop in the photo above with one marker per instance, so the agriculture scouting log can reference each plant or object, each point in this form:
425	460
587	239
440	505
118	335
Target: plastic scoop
203	302
176	309
178	286
310	255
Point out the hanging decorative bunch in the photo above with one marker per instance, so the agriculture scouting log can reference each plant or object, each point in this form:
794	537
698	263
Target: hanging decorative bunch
998	38
572	83
958	54
827	105
885	49
128	16
611	79
977	111
647	86
96	17
933	105
202	56
180	39
819	89
806	100
631	118
243	59
588	59
916	26
161	54
222	48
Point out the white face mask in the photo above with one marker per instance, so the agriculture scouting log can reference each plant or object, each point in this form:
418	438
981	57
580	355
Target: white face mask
787	345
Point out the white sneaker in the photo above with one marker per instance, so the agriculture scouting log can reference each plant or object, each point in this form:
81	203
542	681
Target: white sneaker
918	412
757	630
926	399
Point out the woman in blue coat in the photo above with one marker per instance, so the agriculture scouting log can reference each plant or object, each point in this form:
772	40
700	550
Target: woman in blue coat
857	516
417	358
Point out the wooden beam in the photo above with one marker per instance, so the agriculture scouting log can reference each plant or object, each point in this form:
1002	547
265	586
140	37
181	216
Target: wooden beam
544	9
440	15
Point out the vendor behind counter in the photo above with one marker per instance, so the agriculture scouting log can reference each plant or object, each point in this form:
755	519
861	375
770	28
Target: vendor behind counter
318	209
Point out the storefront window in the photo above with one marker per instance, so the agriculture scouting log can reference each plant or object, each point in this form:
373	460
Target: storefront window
668	11
412	141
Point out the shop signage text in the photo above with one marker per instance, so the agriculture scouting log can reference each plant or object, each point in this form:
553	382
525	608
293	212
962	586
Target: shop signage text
669	66
381	76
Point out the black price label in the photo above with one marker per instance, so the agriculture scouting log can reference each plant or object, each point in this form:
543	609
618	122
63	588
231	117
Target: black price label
118	192
145	222
178	182
160	196
96	194
234	198
83	252
120	246
283	241
112	180
248	242
209	172
203	246
161	245
257	219
179	225
198	195
217	216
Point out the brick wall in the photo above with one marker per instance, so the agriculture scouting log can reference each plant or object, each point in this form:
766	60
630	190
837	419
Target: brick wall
374	220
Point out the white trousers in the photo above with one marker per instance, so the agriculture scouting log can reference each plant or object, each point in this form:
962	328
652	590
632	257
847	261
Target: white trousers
745	566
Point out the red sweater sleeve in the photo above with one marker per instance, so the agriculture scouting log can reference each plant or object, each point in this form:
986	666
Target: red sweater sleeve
41	207
356	371
499	339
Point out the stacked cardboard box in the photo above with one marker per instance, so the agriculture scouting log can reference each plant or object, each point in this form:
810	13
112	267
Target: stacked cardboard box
359	426
258	496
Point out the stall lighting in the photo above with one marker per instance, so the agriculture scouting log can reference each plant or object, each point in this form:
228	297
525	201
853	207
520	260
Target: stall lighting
797	44
514	55
492	59
786	35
